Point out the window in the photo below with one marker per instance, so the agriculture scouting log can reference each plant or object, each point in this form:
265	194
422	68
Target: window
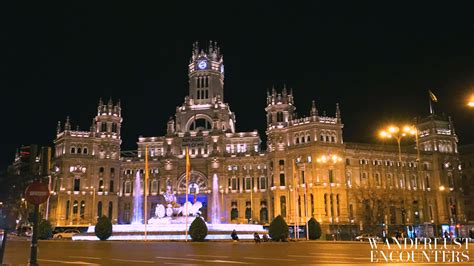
337	205
282	179
79	150
234	213
282	165
326	204
234	183
427	181
321	137
111	210
103	127
111	186
330	175
67	209
82	209
312	205
351	211
128	187
348	161
308	138
112	172
263	182
101	185
77	184
74	208
99	209
377	179
154	186
333	139
280	117
114	127
85	151
283	206
73	149
248	183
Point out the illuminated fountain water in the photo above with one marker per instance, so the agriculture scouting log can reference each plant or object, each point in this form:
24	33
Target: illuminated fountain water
137	201
215	208
168	219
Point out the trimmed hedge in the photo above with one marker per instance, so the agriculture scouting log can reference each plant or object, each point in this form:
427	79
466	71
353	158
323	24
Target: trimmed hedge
103	228
198	229
314	229
278	229
45	230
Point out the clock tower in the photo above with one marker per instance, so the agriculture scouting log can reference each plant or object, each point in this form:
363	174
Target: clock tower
206	75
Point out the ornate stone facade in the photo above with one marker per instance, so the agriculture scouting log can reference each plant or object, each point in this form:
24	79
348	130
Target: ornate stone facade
306	171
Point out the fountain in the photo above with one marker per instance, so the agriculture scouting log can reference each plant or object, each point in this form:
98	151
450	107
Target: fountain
169	219
137	201
215	209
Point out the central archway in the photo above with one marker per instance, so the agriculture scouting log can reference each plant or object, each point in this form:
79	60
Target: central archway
198	183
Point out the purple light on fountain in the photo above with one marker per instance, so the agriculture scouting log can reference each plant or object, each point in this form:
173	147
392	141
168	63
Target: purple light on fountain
137	201
215	208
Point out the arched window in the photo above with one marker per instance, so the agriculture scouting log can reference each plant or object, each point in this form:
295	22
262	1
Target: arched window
128	187
73	150
297	140
154	186
282	179
85	151
74	208
234	213
333	139
67	209
77	184
110	210
283	206
321	137
326	204
79	150
82	209
101	185
263	215
308	138
99	209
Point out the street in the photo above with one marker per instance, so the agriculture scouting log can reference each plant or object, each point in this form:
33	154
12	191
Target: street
60	252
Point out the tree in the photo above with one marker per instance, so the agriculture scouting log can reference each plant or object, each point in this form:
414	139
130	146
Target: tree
198	229
314	229
103	228
278	229
45	230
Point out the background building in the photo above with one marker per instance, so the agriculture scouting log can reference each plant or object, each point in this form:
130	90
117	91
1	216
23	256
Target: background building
307	170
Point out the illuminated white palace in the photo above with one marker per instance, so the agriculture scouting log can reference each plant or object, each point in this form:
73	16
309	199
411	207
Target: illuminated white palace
345	186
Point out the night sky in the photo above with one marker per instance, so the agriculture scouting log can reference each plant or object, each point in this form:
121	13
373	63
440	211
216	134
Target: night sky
377	61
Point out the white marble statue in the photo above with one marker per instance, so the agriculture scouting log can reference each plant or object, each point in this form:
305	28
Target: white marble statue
160	211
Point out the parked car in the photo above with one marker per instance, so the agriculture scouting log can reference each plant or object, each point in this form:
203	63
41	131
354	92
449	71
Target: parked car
66	234
365	237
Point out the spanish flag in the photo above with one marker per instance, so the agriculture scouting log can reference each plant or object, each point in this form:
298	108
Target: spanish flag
432	96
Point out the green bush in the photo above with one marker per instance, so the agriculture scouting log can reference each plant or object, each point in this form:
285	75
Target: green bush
198	229
45	230
278	229
103	228
314	229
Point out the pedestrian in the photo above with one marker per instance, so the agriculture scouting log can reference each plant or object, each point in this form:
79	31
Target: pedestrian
446	235
256	237
234	235
265	237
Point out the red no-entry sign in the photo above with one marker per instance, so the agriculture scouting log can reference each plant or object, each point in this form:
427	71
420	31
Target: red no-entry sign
37	193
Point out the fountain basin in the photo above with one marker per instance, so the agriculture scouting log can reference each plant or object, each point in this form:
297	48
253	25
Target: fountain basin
173	231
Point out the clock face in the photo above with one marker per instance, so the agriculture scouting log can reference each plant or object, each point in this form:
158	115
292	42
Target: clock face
202	64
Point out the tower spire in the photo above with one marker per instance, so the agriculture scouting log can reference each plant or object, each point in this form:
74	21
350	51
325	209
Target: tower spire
67	125
314	110
58	127
338	113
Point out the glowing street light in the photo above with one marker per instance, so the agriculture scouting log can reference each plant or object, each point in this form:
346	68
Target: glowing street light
398	133
470	102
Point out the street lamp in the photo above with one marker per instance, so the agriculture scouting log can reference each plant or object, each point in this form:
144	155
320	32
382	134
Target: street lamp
470	102
331	159
398	133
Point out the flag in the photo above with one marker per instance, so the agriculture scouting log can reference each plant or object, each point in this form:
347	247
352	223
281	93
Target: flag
432	96
188	166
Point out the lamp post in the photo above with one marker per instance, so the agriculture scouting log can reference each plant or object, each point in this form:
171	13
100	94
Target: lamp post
330	159
398	133
470	101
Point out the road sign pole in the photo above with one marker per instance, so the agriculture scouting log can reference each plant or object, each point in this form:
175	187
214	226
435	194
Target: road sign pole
34	238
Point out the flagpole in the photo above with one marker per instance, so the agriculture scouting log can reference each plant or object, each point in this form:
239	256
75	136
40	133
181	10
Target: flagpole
187	185
146	190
